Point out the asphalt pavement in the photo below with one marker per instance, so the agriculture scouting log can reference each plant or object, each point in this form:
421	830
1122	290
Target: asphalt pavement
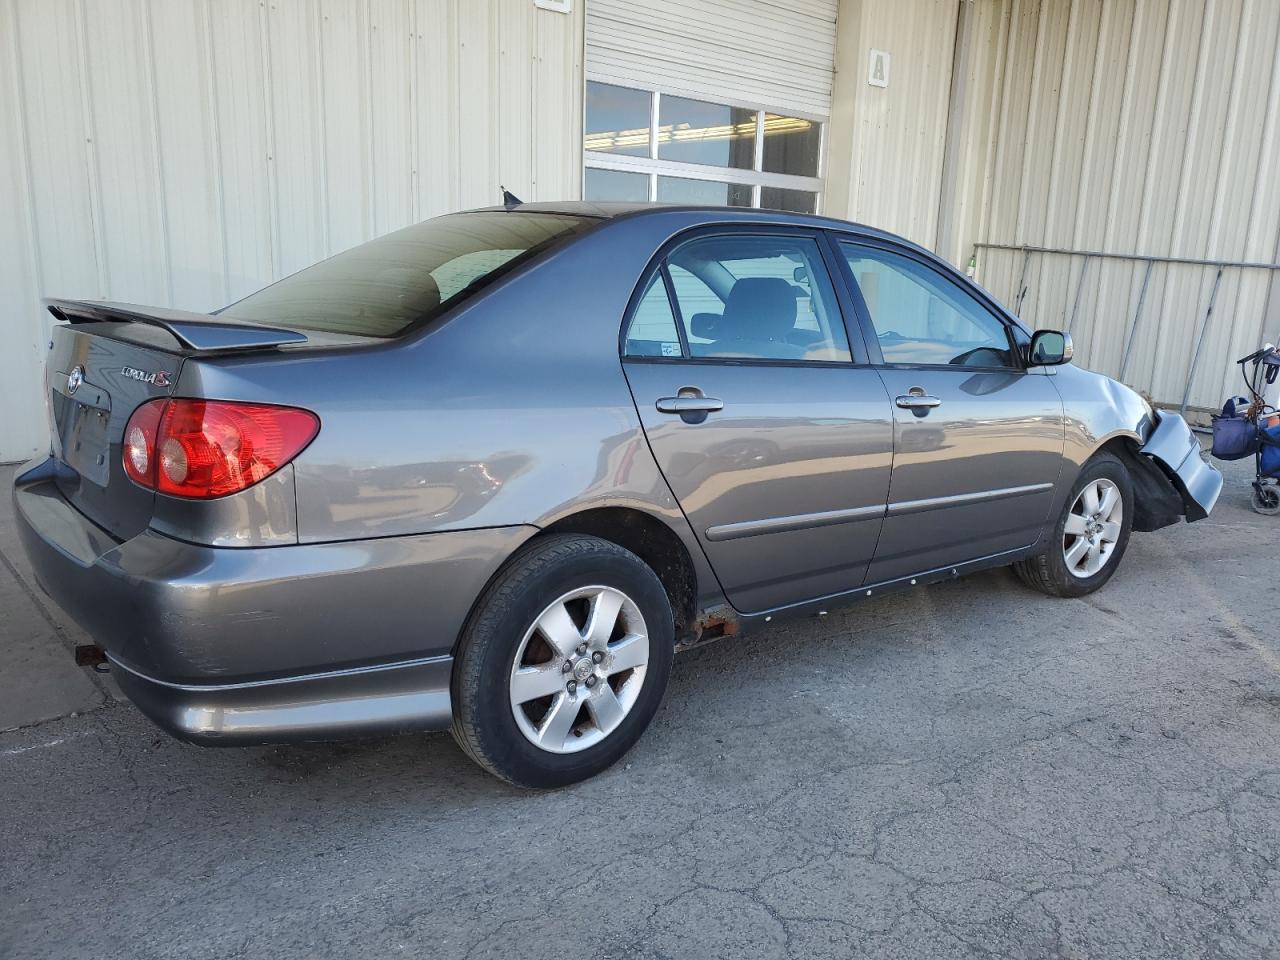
970	769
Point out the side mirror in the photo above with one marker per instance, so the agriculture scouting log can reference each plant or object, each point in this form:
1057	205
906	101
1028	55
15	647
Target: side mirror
1049	348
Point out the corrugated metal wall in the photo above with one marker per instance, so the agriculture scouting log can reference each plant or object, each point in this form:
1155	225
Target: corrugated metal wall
187	152
886	145
772	54
1137	126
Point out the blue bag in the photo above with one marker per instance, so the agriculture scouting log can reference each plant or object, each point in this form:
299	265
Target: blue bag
1234	438
1270	466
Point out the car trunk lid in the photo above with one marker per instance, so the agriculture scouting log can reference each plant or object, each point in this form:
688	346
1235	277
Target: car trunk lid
104	362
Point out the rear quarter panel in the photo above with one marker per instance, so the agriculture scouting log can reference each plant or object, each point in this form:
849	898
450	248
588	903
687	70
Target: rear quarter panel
512	411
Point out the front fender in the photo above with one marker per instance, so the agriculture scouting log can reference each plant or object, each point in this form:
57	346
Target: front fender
1176	450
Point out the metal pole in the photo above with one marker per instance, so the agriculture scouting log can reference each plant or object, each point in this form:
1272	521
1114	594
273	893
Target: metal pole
1084	271
1022	284
1133	327
1189	261
1204	328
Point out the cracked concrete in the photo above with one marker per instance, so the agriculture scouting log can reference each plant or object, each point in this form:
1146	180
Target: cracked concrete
968	770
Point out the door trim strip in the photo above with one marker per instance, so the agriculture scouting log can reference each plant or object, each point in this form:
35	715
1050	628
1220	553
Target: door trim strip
903	507
826	518
802	521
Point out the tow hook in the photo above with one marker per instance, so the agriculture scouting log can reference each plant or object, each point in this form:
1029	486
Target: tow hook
92	655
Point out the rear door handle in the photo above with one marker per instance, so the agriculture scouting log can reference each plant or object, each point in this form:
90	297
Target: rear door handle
689	404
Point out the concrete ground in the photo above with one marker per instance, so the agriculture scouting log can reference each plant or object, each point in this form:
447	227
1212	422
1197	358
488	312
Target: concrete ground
967	770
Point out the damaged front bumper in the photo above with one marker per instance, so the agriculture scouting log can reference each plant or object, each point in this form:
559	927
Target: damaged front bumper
1176	450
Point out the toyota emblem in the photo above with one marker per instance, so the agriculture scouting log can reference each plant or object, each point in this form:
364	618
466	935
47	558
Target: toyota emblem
74	379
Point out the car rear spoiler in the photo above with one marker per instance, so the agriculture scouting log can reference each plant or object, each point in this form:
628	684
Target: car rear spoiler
194	331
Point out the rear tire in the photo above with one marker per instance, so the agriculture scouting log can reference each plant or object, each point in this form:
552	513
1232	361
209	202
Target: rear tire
1090	535
563	663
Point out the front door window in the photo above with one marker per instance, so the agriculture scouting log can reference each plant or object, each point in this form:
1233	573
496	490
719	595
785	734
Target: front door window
921	317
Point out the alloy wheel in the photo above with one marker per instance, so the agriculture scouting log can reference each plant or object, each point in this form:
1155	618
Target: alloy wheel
1093	528
579	669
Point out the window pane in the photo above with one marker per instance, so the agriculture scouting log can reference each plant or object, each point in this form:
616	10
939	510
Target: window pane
763	298
618	120
920	317
381	288
653	326
703	192
615	185
791	145
793	201
694	131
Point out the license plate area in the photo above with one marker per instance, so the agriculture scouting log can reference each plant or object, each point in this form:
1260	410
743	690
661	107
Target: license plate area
82	421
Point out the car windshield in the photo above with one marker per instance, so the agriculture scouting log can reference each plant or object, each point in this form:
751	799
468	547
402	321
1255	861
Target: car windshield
384	287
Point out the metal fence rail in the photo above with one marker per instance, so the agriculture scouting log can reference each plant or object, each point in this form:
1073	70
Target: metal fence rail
1135	320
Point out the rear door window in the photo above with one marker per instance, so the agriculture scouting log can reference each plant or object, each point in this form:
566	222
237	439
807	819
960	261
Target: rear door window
653	324
746	297
384	287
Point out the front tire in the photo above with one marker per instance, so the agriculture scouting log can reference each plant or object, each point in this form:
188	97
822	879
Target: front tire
563	662
1090	535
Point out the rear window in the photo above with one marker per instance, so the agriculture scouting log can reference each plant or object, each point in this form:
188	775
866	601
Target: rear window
383	287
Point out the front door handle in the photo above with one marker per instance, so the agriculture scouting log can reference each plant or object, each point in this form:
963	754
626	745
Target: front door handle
918	403
690	403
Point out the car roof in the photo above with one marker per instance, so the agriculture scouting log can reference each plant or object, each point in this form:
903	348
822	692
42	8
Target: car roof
602	210
611	210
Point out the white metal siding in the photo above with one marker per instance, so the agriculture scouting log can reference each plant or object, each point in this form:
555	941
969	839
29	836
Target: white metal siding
769	53
1140	126
186	152
885	145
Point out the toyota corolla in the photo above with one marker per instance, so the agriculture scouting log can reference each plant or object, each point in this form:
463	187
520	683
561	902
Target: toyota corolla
490	472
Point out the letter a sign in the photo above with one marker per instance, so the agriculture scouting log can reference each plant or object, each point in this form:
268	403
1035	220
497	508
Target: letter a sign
878	75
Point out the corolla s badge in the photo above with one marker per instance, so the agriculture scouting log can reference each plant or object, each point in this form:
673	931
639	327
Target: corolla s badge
158	379
75	378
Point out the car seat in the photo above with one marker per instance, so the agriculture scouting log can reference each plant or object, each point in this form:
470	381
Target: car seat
758	316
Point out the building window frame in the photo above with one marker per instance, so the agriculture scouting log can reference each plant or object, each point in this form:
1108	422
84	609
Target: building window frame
757	178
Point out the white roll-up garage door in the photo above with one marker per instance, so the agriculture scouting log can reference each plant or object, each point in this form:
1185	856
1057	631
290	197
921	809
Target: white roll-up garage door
777	55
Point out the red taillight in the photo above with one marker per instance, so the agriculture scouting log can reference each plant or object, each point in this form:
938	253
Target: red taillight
210	448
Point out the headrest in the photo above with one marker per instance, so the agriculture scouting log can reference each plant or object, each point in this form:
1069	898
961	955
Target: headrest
758	308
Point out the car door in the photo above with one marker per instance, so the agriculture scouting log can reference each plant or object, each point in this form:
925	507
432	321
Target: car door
978	436
775	442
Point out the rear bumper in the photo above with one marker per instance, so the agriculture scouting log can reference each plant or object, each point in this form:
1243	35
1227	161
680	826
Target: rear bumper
395	698
242	645
1176	449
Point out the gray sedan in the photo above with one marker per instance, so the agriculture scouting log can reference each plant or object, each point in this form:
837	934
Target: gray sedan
491	471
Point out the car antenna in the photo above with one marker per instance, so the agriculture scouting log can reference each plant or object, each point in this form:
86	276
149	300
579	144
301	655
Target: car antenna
509	199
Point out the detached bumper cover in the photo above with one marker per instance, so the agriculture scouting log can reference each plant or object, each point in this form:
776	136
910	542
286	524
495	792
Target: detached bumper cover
1175	448
248	645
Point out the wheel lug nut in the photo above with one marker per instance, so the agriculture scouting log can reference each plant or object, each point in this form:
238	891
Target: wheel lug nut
572	686
582	648
568	665
597	657
591	681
